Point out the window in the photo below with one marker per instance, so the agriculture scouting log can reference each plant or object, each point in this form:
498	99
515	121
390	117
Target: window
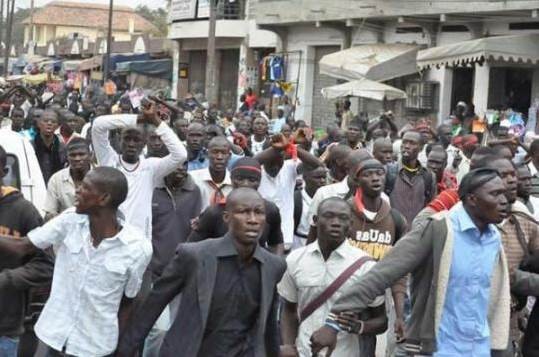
454	28
409	29
421	95
524	26
13	174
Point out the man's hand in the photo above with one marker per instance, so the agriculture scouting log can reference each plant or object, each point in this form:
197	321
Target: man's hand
288	351
530	264
399	329
240	140
156	99
194	223
303	136
350	323
279	142
322	338
149	114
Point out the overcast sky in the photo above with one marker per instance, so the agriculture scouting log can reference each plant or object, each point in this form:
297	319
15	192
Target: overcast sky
132	3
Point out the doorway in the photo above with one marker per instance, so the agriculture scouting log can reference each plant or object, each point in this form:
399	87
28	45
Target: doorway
463	83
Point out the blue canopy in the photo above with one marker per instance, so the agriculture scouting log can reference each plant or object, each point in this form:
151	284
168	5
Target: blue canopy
161	68
115	59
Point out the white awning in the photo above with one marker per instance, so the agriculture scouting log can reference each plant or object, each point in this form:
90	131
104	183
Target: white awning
364	88
378	62
519	48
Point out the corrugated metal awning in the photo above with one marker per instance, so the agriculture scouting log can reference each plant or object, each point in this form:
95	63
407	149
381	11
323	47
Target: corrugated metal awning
377	62
518	48
91	63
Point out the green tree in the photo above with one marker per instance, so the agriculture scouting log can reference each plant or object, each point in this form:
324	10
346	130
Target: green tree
18	26
158	17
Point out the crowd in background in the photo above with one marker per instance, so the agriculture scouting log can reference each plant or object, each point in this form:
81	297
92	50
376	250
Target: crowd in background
175	228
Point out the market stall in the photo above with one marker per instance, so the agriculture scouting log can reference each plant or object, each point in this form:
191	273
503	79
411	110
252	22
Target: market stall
155	74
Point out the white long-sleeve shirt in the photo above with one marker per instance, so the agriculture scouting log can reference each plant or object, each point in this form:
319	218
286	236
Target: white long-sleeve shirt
142	177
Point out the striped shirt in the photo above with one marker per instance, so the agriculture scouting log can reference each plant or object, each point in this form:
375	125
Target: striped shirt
535	179
513	248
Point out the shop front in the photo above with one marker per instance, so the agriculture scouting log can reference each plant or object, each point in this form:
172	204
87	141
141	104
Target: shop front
497	76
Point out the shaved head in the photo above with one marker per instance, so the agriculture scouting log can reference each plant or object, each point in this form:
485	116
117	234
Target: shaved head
355	158
218	141
242	194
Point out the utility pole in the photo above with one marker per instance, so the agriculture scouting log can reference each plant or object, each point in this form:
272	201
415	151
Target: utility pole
2	23
31	22
106	62
10	12
211	96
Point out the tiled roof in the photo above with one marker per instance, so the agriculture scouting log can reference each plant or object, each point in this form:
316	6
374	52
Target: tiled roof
62	13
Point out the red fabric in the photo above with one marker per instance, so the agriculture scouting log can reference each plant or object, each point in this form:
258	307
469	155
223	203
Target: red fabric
445	200
358	200
464	141
449	181
250	100
292	151
217	196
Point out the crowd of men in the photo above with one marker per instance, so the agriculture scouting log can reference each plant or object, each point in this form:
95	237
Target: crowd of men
172	229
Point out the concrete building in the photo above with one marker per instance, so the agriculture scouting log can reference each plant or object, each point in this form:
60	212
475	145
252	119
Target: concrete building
239	43
487	79
77	20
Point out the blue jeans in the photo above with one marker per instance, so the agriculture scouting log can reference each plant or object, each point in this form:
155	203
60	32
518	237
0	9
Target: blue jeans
8	346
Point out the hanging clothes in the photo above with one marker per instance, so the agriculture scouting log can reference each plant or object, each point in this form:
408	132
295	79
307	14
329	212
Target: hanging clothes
277	68
276	90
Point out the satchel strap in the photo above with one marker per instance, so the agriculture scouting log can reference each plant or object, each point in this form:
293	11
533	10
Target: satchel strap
520	236
332	288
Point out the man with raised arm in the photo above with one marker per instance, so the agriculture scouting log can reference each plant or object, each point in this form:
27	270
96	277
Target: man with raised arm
143	174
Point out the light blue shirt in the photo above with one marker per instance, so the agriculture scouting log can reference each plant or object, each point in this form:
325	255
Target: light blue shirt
278	125
201	161
464	329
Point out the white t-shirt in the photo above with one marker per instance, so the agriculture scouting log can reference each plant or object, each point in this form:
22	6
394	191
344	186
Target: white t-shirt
280	190
339	189
142	177
203	180
257	146
369	214
304	224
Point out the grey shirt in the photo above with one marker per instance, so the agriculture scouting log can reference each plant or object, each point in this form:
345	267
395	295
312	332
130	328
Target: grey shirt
172	212
408	195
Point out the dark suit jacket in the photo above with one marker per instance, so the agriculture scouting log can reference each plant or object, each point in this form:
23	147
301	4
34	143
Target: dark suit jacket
192	272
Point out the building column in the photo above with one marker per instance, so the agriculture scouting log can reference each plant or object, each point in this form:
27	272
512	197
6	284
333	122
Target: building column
175	68
44	36
535	85
481	88
348	33
446	89
217	87
304	104
245	76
